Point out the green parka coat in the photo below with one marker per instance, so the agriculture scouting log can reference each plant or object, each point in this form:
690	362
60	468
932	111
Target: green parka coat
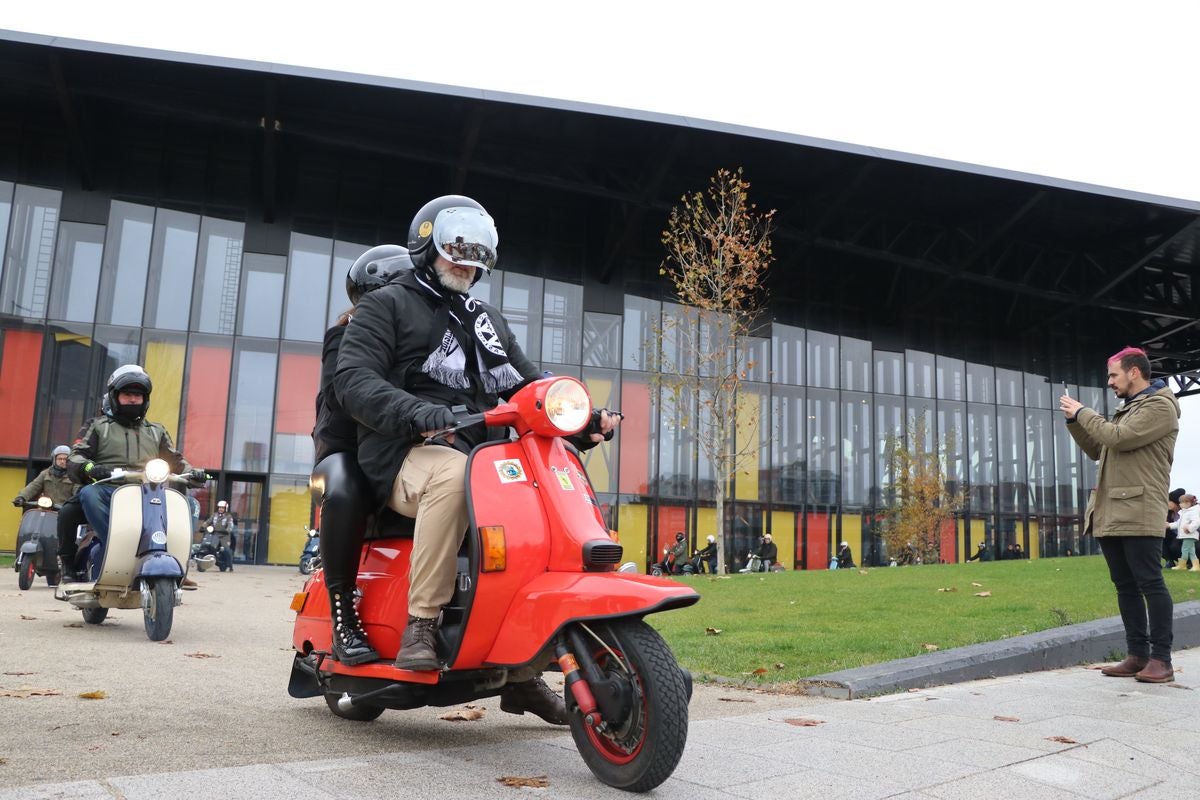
1135	451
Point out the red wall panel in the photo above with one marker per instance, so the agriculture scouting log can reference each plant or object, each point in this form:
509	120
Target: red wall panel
206	406
635	439
295	402
816	538
19	364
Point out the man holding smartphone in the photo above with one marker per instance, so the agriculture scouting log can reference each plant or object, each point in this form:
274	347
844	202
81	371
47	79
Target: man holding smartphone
1135	450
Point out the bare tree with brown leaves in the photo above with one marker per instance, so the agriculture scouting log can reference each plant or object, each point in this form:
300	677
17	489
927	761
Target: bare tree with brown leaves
922	502
718	249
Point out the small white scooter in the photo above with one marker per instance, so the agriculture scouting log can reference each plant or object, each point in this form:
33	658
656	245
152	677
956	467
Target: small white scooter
143	562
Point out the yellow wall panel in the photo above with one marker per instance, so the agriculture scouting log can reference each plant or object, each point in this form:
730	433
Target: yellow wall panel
164	365
852	533
746	437
783	532
1035	543
632	520
290	507
12	480
598	460
962	540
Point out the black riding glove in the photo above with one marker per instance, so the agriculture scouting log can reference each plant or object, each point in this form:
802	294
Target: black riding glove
18	501
431	417
198	477
97	472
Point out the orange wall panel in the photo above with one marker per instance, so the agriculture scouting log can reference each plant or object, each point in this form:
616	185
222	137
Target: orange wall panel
299	380
20	361
635	438
206	406
816	538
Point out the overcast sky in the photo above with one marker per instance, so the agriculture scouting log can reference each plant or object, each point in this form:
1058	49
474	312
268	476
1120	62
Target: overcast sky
1093	91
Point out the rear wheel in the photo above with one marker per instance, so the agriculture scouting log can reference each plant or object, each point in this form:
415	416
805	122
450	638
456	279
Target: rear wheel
159	615
25	574
355	713
53	578
641	750
94	616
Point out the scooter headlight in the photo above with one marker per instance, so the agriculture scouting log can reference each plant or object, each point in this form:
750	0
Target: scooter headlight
567	405
157	470
45	502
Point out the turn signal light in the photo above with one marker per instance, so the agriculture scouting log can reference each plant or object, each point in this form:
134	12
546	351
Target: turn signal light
494	552
298	601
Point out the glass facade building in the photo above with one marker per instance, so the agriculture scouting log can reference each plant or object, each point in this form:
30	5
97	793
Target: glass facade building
232	337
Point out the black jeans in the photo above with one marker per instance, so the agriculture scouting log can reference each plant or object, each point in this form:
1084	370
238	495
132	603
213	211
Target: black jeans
345	505
70	517
1147	611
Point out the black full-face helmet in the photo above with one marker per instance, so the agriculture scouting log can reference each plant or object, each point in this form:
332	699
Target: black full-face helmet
679	537
129	377
374	268
457	228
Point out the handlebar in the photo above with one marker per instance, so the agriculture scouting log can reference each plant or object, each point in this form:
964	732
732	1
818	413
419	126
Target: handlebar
467	420
29	505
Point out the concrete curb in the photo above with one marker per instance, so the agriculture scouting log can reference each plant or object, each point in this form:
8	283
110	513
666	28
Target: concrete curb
1085	643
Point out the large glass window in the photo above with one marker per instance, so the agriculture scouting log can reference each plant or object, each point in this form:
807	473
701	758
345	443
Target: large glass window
261	304
562	310
981	383
755	354
114	348
76	272
824	458
981	446
640	329
1038	392
1011	458
856	364
523	309
1010	390
822	352
295	414
25	283
787	354
601	461
1067	470
218	273
601	339
677	442
857	464
344	254
919	371
126	263
247	447
951	379
69	397
639	433
951	432
6	199
787	445
1039	447
172	266
889	372
889	434
309	259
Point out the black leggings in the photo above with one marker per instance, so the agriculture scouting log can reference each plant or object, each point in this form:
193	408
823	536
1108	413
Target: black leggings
346	502
70	517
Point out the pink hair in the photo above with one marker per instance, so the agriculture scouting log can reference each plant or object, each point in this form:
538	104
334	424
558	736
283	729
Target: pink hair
1128	351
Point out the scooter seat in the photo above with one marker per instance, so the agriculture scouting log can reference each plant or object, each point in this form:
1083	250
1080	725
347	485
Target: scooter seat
390	525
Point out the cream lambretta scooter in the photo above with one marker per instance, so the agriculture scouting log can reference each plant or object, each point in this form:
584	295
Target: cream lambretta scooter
143	563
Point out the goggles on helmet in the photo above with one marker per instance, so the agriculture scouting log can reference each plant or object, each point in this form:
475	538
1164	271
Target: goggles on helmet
466	236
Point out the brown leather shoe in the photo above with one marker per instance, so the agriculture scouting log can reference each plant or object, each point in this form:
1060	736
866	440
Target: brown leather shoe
418	651
189	584
1128	668
1156	671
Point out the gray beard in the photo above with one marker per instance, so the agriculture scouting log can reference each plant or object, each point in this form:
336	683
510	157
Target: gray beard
451	281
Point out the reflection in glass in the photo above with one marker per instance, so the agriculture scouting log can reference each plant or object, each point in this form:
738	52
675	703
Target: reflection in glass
889	434
919	372
787	445
981	445
1010	423
218	273
523	309
889	372
604	385
787	354
76	272
981	383
561	316
344	254
755	355
126	263
857	466
639	332
1039	445
250	406
601	339
856	364
6	197
678	340
822	358
824	462
25	277
172	265
677	444
951	379
261	304
309	266
1009	389
69	397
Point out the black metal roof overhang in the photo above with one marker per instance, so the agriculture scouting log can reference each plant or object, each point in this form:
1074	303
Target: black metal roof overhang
879	245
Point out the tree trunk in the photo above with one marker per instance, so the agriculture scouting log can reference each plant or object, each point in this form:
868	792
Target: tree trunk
720	530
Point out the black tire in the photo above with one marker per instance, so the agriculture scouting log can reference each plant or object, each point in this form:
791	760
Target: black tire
641	751
53	578
306	568
25	574
161	613
354	713
94	616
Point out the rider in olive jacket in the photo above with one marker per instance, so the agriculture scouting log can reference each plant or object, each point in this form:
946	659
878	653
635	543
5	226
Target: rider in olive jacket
52	482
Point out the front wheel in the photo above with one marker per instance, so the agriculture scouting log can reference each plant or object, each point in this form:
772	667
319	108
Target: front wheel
25	574
160	612
641	750
306	565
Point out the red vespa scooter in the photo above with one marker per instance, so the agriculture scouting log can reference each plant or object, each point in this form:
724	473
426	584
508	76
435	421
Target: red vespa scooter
538	588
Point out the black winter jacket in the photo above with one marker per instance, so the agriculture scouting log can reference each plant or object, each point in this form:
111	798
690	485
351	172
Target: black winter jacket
380	384
335	430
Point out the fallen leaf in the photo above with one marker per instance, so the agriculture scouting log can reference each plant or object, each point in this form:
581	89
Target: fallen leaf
72	624
735	700
804	722
930	647
29	691
465	714
1061	739
20	673
948	589
759	671
712	631
779	666
914	689
98	694
1006	719
201	655
166	641
115	733
539	782
25	617
973	583
862	572
1179	686
983	594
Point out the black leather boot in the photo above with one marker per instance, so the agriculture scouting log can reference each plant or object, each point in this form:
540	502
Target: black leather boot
350	645
535	697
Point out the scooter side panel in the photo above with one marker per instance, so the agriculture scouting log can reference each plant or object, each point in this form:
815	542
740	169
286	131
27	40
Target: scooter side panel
550	601
124	533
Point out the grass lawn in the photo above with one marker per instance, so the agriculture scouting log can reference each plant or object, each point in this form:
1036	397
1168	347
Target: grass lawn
798	624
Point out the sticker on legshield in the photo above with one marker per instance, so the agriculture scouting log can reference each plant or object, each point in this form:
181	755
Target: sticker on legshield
564	479
510	470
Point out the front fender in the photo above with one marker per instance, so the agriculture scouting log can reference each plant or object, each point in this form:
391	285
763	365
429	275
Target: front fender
551	600
158	565
29	547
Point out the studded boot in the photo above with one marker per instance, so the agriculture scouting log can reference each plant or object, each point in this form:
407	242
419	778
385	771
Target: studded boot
350	645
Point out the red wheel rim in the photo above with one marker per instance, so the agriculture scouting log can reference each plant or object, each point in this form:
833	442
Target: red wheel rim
604	745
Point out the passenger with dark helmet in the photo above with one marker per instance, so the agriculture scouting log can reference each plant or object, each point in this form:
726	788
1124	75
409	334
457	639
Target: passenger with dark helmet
416	348
51	482
337	482
120	437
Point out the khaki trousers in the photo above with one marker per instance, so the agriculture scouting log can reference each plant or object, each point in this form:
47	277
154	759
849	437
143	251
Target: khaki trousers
430	487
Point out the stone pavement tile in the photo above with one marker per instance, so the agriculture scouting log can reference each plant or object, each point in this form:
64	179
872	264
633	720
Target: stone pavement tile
971	731
977	753
1081	777
1169	789
1157	759
813	784
904	769
76	790
233	783
1086	729
372	778
876	709
998	784
854	731
714	766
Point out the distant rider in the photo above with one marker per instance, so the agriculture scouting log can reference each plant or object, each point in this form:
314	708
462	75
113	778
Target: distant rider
52	482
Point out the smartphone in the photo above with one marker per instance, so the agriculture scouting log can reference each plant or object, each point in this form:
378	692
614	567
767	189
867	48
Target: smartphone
1066	391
